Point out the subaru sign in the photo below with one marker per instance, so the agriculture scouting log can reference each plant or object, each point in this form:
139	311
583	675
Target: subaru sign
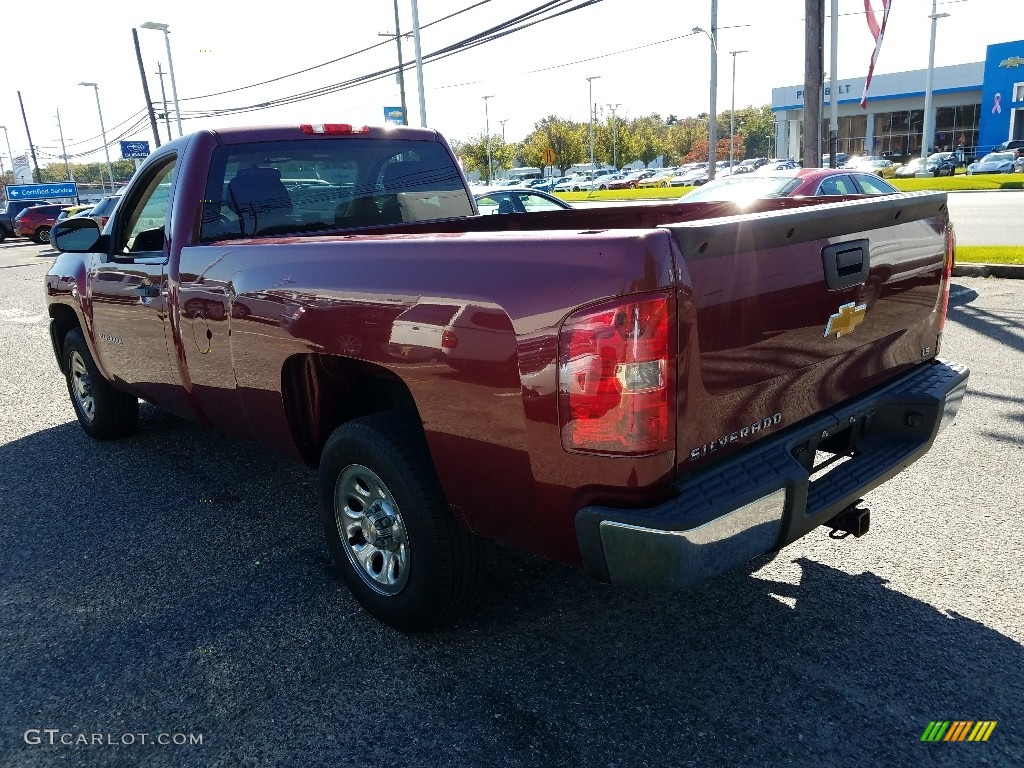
42	191
133	149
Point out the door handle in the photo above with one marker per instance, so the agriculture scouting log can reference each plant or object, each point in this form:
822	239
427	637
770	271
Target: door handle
147	291
846	264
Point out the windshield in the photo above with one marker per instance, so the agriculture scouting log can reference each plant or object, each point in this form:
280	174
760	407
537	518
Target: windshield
998	157
744	188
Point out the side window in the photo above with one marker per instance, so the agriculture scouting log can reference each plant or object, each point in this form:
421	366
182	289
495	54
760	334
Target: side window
872	185
145	218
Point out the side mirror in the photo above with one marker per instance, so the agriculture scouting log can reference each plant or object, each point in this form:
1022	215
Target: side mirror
75	235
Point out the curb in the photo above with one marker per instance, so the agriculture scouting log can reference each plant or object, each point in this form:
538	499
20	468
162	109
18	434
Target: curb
1008	271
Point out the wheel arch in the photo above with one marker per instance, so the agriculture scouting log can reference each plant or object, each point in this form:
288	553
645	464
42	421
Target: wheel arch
63	319
322	392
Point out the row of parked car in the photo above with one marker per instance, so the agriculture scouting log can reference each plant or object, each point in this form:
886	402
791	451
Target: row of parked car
35	218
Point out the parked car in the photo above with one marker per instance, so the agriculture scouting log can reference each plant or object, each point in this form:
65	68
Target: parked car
543	185
102	210
879	166
517	200
1018	164
938	164
688	178
662	178
35	222
795	182
70	211
630	180
1011	144
993	162
10	211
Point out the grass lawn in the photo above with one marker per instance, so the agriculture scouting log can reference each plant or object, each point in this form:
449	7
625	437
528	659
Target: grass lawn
943	184
990	254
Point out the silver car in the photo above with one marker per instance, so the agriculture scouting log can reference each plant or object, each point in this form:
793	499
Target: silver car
993	162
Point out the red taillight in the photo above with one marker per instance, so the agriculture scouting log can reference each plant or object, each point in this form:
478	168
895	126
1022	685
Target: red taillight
616	378
103	221
449	340
331	129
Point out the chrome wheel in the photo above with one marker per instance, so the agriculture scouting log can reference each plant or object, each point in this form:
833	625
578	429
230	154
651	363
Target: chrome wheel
371	529
81	387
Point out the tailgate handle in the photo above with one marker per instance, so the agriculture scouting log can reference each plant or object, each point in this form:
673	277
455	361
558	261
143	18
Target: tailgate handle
846	264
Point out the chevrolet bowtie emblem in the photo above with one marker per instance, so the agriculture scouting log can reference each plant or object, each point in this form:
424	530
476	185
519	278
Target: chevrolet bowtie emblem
1013	61
846	319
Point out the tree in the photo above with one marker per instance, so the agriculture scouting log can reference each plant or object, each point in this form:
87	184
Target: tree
568	139
758	127
473	155
650	137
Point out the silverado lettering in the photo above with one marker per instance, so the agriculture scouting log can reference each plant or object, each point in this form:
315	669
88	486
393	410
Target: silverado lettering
333	294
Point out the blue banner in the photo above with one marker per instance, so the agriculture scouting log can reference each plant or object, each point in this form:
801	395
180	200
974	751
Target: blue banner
42	191
133	149
393	115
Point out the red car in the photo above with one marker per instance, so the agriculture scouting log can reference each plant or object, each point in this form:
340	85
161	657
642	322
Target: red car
35	222
795	182
630	181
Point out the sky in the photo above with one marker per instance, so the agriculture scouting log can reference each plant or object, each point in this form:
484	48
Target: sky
642	53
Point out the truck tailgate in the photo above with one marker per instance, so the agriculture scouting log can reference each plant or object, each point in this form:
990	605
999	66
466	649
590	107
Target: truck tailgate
787	313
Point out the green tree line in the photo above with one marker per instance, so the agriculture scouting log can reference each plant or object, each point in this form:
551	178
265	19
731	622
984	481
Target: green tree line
620	141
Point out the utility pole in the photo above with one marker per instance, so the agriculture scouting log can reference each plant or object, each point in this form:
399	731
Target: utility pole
401	64
64	153
713	128
833	94
163	95
928	127
145	87
615	153
814	74
419	62
37	177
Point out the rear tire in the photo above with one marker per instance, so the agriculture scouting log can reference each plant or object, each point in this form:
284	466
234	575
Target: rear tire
103	412
389	528
42	235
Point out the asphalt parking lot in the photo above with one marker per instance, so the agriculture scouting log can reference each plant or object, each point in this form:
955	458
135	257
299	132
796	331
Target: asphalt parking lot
176	584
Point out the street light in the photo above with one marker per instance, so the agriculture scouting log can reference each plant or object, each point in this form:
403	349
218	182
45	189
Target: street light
590	108
928	128
732	110
615	154
713	120
3	176
170	65
103	132
487	123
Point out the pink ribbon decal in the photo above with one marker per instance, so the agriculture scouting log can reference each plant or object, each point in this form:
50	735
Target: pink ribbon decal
997	104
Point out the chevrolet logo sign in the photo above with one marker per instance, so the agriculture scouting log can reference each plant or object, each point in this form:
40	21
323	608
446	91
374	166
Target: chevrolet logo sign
1013	61
846	319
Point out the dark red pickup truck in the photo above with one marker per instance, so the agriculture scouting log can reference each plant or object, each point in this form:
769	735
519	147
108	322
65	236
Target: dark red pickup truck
654	393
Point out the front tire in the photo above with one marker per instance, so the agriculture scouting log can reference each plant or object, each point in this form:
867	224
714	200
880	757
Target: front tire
103	412
389	527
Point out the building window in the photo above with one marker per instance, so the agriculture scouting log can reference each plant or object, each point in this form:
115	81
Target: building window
898	133
1018	91
955	123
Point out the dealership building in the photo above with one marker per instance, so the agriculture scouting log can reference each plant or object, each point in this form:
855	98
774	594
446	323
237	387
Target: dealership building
981	103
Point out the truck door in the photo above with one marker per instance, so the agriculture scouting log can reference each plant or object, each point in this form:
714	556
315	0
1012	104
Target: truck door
129	292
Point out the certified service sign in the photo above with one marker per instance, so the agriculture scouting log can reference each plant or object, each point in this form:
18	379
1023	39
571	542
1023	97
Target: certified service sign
42	191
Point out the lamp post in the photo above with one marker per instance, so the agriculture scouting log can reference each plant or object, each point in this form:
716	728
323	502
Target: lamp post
103	132
3	176
732	111
928	128
713	119
615	154
590	108
503	129
487	123
170	65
